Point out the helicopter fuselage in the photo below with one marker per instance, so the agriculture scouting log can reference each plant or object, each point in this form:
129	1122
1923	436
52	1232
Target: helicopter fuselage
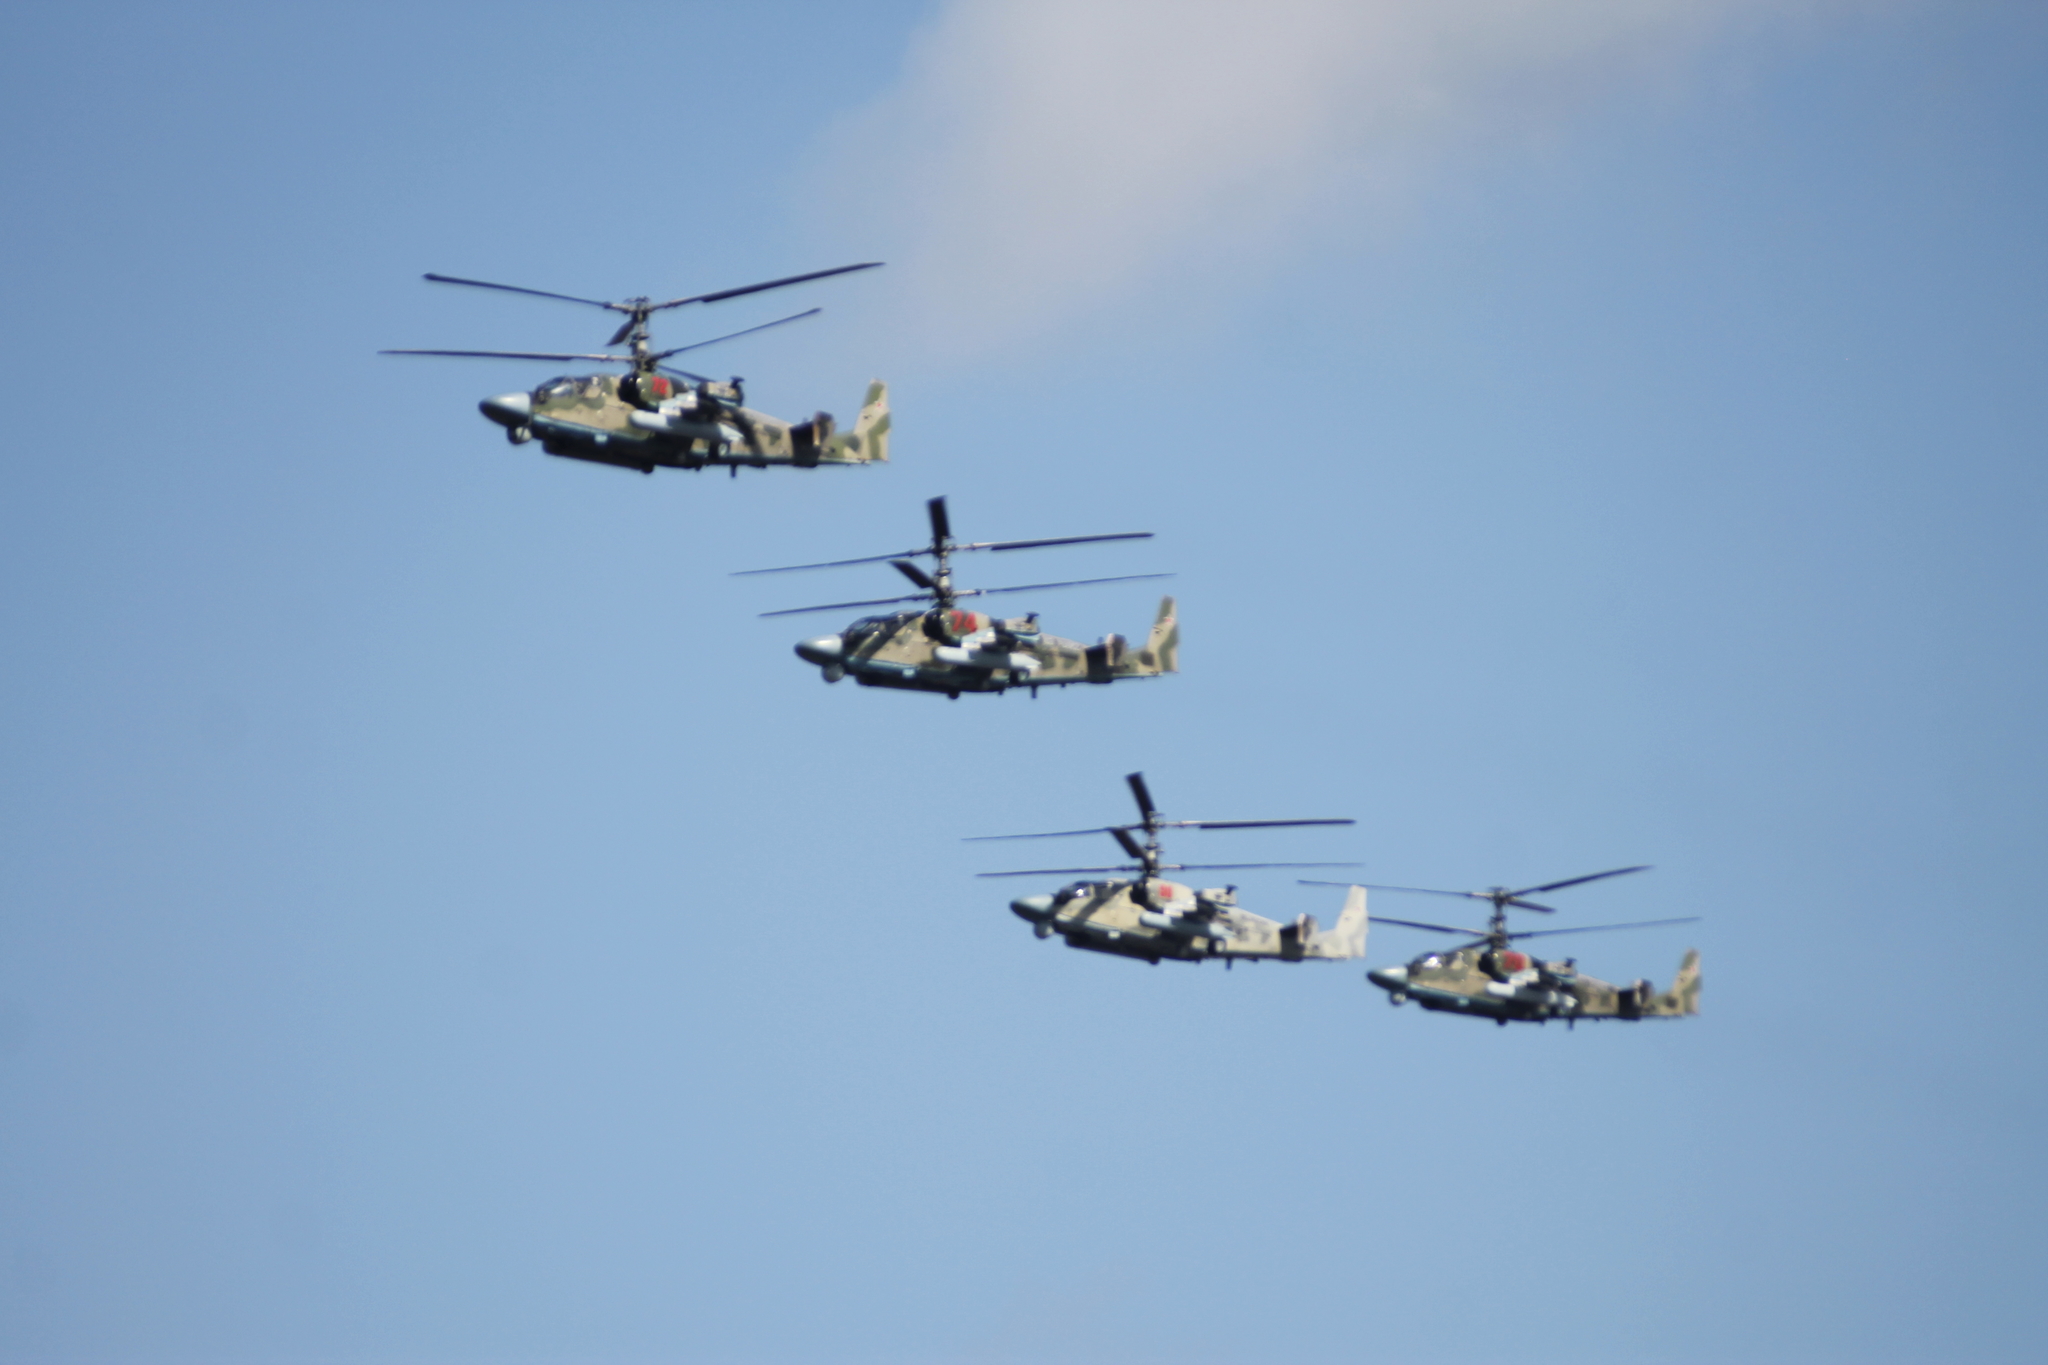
1504	985
649	421
1156	921
952	651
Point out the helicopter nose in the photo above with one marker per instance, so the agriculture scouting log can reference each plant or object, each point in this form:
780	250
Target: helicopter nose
821	651
1033	908
1389	978
508	409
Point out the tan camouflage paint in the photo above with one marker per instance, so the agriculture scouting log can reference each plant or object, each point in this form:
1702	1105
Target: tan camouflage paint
905	644
1104	917
1459	973
596	406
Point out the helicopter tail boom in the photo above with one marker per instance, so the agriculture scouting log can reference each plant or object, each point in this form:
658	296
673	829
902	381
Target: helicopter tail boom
1644	1001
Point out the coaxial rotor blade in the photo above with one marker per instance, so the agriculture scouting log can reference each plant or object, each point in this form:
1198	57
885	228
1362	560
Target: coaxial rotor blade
842	606
1122	830
1226	867
1071	583
1245	824
525	355
926	549
1163	867
914	574
1143	794
1428	891
1054	834
1592	928
537	293
942	525
1056	540
694	378
1462	895
1580	881
1378	920
1129	845
836	563
757	288
700	345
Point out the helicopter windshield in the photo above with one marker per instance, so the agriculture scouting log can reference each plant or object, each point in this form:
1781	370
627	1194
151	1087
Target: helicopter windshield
862	629
568	386
870	626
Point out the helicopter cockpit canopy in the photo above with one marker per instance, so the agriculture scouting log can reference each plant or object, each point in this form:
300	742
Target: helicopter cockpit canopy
562	388
866	627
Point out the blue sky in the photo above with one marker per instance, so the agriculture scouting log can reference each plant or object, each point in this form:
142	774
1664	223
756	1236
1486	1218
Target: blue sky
444	923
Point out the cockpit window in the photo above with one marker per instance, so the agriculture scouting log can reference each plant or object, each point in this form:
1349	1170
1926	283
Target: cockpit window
571	386
869	627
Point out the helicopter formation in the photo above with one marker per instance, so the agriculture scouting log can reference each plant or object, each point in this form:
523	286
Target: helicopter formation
657	416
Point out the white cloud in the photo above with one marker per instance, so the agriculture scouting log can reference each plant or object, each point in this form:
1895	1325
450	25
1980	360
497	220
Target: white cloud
1042	155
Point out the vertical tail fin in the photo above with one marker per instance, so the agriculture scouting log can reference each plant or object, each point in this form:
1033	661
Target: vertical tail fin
869	439
1163	644
1684	995
1346	938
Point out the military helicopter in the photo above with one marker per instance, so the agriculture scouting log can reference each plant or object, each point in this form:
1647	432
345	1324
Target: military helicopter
656	416
1488	979
1154	919
940	648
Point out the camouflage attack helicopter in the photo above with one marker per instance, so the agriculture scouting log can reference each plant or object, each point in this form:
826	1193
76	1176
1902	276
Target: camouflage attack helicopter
1151	918
657	416
940	648
1491	980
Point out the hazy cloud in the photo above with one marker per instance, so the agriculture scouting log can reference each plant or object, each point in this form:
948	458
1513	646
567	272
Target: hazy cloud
1040	154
